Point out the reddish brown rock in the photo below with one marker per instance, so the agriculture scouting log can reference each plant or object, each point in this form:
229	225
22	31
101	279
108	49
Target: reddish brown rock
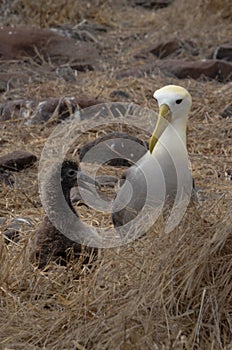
223	52
36	113
218	70
44	45
17	160
15	109
170	47
150	4
120	95
167	48
87	30
13	229
85	102
116	149
60	109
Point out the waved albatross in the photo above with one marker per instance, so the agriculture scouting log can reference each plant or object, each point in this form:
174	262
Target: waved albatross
163	172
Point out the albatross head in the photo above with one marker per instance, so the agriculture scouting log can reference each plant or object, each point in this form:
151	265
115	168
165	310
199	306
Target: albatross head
174	105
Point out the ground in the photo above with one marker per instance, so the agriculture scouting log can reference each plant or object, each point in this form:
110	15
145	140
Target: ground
164	291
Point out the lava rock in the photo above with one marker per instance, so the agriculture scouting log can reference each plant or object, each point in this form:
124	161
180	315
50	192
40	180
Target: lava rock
34	112
223	52
84	31
218	70
85	102
115	149
170	47
12	231
60	109
11	235
17	160
150	4
120	94
167	48
17	109
42	45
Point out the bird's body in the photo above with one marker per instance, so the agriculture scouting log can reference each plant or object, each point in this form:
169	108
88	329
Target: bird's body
164	170
50	243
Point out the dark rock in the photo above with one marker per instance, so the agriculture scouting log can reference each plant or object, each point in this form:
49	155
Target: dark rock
36	113
44	45
12	231
11	235
6	177
218	70
150	4
223	52
167	48
170	47
116	149
60	109
85	102
17	109
227	112
17	160
84	31
120	94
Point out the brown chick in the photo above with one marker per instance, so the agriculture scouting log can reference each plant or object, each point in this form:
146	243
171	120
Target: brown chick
50	243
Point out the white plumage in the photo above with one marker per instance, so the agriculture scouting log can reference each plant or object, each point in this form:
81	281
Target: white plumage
163	172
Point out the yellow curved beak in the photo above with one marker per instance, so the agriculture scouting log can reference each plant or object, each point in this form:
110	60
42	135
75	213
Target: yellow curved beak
164	118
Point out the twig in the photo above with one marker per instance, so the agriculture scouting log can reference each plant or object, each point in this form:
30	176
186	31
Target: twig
199	319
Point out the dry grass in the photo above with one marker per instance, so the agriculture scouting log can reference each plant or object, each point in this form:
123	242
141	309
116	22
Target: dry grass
161	292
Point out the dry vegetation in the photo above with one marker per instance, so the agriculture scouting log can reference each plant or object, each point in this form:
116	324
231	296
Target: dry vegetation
161	292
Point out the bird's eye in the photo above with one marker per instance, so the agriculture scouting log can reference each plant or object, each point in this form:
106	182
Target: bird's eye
179	101
71	172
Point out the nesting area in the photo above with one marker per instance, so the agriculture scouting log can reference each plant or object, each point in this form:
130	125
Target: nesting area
163	291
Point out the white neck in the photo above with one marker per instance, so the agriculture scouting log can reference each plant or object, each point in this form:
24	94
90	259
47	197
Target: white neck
180	126
172	135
